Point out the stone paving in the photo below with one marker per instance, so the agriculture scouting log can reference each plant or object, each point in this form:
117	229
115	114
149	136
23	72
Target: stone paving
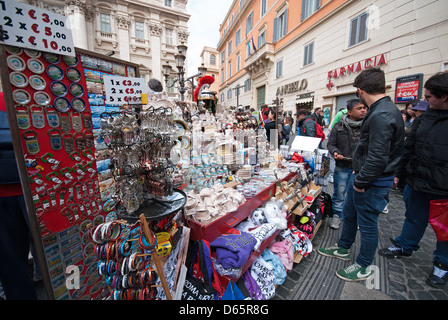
399	279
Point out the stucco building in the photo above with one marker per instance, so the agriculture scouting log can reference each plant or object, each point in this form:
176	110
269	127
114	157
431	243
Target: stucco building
145	32
308	52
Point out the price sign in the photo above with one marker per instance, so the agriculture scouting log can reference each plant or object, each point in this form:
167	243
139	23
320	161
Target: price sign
124	90
30	27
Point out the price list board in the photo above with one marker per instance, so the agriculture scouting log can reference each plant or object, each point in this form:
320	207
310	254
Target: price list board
29	27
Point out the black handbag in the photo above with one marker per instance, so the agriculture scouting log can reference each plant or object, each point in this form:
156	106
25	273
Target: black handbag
194	288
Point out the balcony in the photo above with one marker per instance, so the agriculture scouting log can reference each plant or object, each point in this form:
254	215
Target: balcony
261	60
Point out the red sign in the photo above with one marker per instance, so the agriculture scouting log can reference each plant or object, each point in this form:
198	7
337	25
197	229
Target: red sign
355	67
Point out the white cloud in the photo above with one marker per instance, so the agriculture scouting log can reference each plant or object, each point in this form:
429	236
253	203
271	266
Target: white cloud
203	26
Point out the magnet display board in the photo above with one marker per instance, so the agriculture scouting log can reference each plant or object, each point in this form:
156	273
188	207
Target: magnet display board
53	119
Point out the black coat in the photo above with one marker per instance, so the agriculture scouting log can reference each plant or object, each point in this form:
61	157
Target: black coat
380	146
425	156
340	141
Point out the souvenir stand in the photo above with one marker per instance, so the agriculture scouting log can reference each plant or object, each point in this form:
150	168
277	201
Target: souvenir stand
58	98
118	181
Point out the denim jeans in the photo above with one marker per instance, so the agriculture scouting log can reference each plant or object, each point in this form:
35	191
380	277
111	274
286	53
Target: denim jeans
341	176
416	222
362	209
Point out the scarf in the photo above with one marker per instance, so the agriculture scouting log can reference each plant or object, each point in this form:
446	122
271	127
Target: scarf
355	131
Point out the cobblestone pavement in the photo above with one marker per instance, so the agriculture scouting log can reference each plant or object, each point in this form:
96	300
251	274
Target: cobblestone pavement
399	279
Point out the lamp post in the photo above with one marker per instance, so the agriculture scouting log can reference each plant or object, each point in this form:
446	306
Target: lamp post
180	61
237	91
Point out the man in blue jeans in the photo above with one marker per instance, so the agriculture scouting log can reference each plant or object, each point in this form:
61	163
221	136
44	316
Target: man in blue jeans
425	160
375	160
341	144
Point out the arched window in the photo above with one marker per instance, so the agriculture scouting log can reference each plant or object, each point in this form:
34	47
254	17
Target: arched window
213	60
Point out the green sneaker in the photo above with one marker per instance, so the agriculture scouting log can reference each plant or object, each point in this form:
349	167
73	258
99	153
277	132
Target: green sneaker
335	252
354	273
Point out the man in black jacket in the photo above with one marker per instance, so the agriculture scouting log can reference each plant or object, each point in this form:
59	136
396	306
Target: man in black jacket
341	145
375	160
425	160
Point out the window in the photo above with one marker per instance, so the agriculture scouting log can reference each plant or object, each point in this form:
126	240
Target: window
237	37
168	3
105	22
261	38
358	29
279	69
223	75
139	30
247	85
223	55
230	69
238	62
308	8
169	34
308	54
222	96
248	49
263	8
230	47
229	94
213	60
280	25
249	22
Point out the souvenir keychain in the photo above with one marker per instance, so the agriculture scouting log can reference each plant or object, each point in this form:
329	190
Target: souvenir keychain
23	117
37	117
69	145
87	120
55	139
80	141
76	121
66	125
52	116
31	141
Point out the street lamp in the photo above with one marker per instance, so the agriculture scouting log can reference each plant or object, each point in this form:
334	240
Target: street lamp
180	61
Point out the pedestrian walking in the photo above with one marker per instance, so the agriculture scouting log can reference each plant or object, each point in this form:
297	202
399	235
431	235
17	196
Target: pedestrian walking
375	160
286	131
425	160
306	124
341	145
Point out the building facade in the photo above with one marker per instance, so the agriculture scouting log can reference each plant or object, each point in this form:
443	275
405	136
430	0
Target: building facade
210	58
307	53
145	32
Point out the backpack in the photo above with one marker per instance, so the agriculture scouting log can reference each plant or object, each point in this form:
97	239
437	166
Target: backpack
319	130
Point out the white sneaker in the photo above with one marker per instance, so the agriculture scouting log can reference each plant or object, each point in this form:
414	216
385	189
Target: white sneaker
386	209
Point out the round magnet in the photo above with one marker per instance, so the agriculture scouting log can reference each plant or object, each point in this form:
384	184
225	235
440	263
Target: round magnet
37	82
36	66
51	57
14	50
21	96
73	74
32	53
18	79
58	88
42	98
78	104
61	104
70	61
54	72
76	89
16	63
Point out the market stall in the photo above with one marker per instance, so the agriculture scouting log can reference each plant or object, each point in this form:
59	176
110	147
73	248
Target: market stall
126	189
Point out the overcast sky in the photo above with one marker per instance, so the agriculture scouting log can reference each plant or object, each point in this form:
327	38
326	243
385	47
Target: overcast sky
203	26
